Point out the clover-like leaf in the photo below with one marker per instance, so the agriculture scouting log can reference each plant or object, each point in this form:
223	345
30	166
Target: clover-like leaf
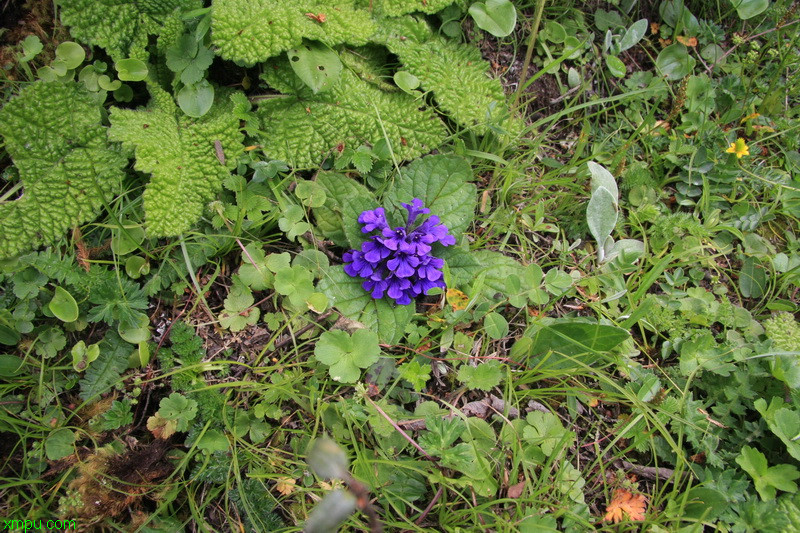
485	376
182	154
179	409
415	373
347	354
767	479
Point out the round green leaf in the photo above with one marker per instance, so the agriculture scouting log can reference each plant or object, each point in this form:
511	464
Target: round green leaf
124	242
554	32
10	365
72	54
317	65
497	17
106	84
674	62
616	66
747	9
136	266
63	306
496	325
131	69
59	444
406	81
195	100
124	93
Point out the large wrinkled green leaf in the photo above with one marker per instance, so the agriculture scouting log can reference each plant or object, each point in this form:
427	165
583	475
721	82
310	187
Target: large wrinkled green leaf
55	136
303	128
456	73
349	297
251	31
120	27
442	182
182	154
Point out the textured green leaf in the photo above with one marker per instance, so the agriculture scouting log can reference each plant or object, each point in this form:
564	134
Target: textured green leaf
350	298
601	215
335	217
304	128
495	268
633	35
442	183
121	27
251	31
456	73
181	155
395	8
54	134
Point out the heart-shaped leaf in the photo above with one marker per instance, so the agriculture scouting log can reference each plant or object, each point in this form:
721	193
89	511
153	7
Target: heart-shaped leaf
498	17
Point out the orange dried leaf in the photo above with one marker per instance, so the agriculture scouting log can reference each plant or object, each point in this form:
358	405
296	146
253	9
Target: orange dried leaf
654	27
624	504
688	41
285	485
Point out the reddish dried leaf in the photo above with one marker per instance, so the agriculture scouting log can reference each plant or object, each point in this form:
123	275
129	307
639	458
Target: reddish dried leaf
515	491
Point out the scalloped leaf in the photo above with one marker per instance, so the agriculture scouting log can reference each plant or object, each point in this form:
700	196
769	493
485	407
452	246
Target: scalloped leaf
350	298
181	153
303	128
55	136
442	183
121	28
456	73
251	31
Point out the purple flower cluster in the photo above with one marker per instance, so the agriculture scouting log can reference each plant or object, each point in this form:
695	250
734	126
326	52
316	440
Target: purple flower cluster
397	261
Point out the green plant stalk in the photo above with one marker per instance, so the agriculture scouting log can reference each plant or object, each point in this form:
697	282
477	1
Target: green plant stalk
537	19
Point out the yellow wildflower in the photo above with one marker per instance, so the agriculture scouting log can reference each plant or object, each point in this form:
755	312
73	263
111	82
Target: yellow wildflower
739	148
